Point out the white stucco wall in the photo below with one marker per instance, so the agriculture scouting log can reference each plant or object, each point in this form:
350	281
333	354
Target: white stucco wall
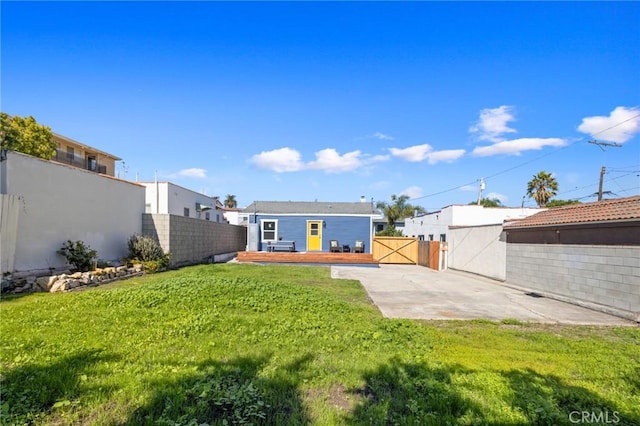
59	203
480	250
173	199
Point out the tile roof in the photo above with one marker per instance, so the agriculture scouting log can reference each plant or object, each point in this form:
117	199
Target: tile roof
620	209
310	207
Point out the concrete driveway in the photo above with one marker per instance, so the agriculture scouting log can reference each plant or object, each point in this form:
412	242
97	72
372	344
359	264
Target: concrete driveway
411	291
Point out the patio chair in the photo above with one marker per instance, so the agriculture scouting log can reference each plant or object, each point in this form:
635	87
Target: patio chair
358	247
335	247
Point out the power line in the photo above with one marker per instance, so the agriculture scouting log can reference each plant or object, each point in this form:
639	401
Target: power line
616	125
524	163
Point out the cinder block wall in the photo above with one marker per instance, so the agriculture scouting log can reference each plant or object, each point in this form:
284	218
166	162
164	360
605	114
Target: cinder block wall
192	240
604	275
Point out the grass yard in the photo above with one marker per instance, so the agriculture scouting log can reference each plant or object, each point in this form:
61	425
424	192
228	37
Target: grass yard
250	344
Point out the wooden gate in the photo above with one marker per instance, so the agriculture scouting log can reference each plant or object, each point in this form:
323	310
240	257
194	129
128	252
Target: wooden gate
395	250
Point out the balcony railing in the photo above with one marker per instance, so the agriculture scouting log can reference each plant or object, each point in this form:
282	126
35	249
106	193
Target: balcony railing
91	165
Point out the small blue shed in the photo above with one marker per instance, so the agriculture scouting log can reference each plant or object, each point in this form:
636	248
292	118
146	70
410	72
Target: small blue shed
310	224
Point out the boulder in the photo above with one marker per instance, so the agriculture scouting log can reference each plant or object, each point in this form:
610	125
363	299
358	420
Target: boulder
73	284
43	283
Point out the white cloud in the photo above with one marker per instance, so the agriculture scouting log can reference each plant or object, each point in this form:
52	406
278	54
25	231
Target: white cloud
469	188
279	160
382	136
331	162
376	159
492	124
497	196
412	192
194	173
423	152
447	155
516	146
626	122
414	153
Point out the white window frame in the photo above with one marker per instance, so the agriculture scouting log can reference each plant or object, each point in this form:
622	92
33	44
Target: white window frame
275	235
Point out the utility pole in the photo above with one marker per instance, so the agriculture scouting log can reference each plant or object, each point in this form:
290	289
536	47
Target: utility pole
600	185
480	190
602	170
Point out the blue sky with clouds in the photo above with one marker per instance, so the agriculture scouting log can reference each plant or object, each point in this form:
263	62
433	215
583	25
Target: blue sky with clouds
333	100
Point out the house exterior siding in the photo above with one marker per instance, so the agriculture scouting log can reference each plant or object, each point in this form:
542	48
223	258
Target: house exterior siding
345	229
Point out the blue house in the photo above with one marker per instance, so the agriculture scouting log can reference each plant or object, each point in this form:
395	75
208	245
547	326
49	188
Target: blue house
310	225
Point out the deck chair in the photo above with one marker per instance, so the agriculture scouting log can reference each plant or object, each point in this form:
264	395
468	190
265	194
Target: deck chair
358	247
334	246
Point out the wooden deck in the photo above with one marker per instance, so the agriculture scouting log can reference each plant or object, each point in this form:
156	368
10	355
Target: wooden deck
306	257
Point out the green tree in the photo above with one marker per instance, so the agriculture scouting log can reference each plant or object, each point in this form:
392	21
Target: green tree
488	202
399	208
230	201
542	188
560	203
27	136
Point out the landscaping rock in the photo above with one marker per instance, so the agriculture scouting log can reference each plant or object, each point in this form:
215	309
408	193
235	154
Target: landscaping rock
43	283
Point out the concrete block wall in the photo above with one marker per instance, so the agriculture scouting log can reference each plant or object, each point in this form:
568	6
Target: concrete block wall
192	240
608	276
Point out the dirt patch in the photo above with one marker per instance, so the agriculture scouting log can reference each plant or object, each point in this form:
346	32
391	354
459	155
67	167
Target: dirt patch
337	395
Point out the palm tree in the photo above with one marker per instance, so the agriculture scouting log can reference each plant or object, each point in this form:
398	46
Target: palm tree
542	188
398	209
230	201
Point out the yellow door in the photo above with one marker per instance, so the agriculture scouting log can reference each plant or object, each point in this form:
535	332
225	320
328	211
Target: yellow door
314	235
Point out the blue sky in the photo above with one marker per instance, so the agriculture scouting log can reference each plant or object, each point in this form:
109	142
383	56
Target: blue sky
333	101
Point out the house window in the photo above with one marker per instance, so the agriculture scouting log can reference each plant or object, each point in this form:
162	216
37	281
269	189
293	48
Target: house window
443	238
186	211
379	227
430	237
269	230
420	237
70	153
207	216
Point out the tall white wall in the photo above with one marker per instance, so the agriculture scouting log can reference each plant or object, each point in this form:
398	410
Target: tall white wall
480	250
60	203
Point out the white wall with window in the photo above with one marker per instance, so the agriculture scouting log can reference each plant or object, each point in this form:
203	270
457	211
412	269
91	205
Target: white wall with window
169	198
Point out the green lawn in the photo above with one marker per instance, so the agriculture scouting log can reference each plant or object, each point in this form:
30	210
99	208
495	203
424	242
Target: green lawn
242	344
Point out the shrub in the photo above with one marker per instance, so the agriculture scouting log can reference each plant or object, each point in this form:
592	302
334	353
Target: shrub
80	256
147	251
144	248
389	232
